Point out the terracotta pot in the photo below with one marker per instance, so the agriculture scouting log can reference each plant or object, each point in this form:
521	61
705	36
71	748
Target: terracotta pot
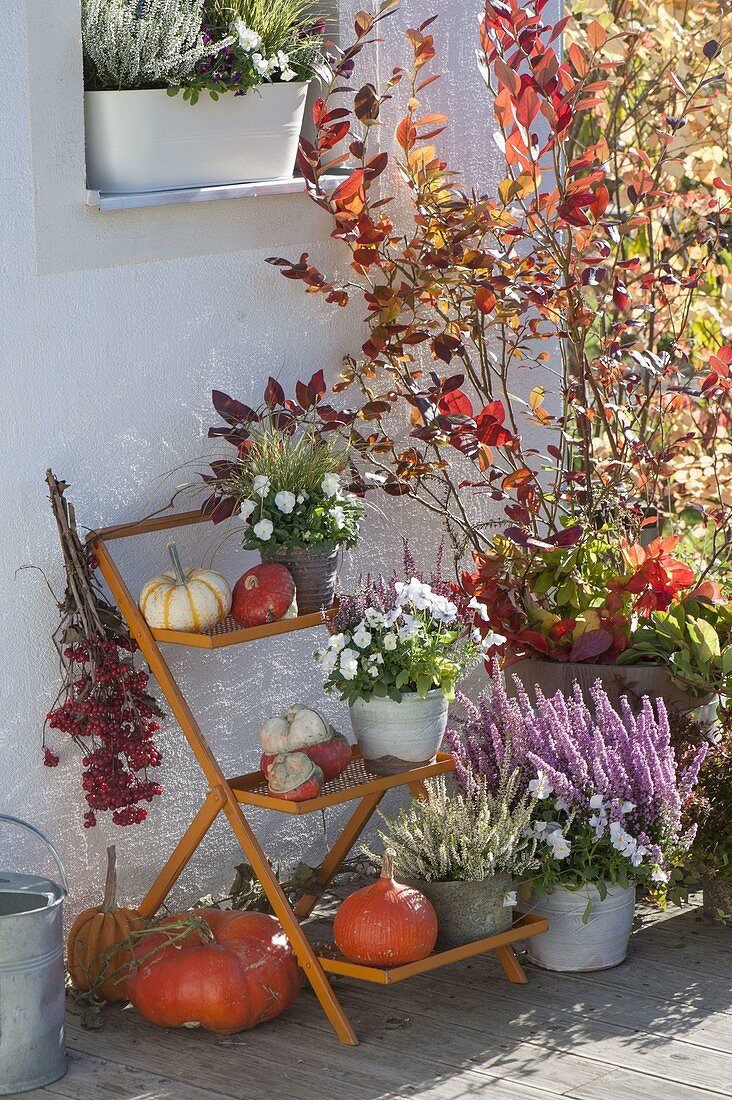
314	572
635	681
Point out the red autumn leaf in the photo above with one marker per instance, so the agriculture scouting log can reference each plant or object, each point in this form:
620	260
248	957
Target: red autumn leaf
621	297
489	425
274	395
349	187
456	403
485	300
591	644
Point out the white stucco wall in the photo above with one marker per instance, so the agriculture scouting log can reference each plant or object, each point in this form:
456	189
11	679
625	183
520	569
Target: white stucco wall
114	330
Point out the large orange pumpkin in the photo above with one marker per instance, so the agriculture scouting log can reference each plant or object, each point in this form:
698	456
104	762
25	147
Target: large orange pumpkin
249	974
386	924
99	945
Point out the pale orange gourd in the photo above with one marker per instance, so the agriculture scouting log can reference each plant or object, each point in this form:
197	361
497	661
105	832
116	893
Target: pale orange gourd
387	924
98	942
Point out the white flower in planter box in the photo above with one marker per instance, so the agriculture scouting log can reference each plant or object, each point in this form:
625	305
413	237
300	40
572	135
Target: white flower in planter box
263	530
331	484
261	485
286	502
248	39
247	507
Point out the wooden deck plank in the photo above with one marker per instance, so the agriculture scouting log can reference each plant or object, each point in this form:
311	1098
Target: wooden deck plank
91	1078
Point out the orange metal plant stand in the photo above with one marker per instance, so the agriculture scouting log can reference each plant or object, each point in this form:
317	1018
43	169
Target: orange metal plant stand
229	795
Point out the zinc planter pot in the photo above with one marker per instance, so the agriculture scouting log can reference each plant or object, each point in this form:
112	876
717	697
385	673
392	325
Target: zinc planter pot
635	681
468	911
314	572
573	946
146	140
395	737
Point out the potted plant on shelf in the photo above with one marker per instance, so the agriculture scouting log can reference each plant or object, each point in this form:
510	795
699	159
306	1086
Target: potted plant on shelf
609	810
465	851
253	58
396	651
287	487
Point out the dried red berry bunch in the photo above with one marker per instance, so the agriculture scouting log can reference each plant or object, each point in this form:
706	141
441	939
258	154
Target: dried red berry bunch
103	704
112	718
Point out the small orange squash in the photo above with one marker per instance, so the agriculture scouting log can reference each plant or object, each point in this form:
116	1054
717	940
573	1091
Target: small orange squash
98	942
386	924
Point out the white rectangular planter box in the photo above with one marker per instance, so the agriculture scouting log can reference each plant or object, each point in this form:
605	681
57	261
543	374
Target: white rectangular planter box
147	140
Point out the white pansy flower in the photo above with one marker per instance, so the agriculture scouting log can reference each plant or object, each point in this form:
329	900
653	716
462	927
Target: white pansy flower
658	874
248	39
260	63
261	485
373	671
286	502
282	59
263	530
247	507
627	807
540	827
620	840
562	805
349	664
339	516
638	854
596	802
541	787
329	660
475	636
390	642
330	484
509	899
338	642
377	658
493	639
479	608
392	616
374	617
560	846
408	631
301	498
288	74
361	636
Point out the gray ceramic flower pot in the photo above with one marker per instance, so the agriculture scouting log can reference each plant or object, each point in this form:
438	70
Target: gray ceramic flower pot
468	911
572	944
314	573
395	737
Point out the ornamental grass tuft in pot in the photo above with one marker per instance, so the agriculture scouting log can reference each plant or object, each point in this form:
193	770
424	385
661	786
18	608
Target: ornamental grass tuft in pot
610	796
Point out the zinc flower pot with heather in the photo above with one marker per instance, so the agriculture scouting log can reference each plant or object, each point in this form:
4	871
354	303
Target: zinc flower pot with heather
182	93
608	796
395	652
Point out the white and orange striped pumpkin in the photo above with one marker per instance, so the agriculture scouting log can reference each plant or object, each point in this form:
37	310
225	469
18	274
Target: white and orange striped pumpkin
185	599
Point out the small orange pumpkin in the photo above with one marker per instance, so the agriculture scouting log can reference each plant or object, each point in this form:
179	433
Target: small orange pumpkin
386	924
98	942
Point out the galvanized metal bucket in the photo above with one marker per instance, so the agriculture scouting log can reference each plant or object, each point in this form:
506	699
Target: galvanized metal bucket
314	573
32	988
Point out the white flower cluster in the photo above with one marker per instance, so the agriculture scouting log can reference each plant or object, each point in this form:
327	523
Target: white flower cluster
384	631
161	42
251	42
621	840
286	502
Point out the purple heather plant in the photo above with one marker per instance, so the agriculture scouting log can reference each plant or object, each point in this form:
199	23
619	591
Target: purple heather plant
609	787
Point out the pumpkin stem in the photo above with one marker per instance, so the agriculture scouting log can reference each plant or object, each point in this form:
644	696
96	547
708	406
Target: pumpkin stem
180	573
387	863
109	904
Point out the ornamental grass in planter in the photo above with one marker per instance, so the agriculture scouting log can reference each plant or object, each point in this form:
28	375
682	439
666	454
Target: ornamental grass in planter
609	797
254	58
464	850
396	651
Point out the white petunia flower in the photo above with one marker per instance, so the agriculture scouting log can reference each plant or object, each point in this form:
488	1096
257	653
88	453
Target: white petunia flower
509	899
248	39
247	507
261	485
349	664
540	787
263	530
390	642
330	484
361	636
286	502
339	516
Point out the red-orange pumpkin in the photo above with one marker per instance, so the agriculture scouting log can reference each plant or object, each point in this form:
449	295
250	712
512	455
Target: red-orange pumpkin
265	594
386	924
249	975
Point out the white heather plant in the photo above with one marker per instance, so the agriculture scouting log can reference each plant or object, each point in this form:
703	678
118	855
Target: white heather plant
143	43
464	836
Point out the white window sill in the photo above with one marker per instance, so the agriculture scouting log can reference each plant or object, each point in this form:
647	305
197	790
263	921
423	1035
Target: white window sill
107	201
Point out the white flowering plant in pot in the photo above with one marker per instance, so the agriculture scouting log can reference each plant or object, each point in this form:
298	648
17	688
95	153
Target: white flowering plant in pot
397	649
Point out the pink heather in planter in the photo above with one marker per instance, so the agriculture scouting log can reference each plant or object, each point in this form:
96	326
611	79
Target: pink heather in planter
612	778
